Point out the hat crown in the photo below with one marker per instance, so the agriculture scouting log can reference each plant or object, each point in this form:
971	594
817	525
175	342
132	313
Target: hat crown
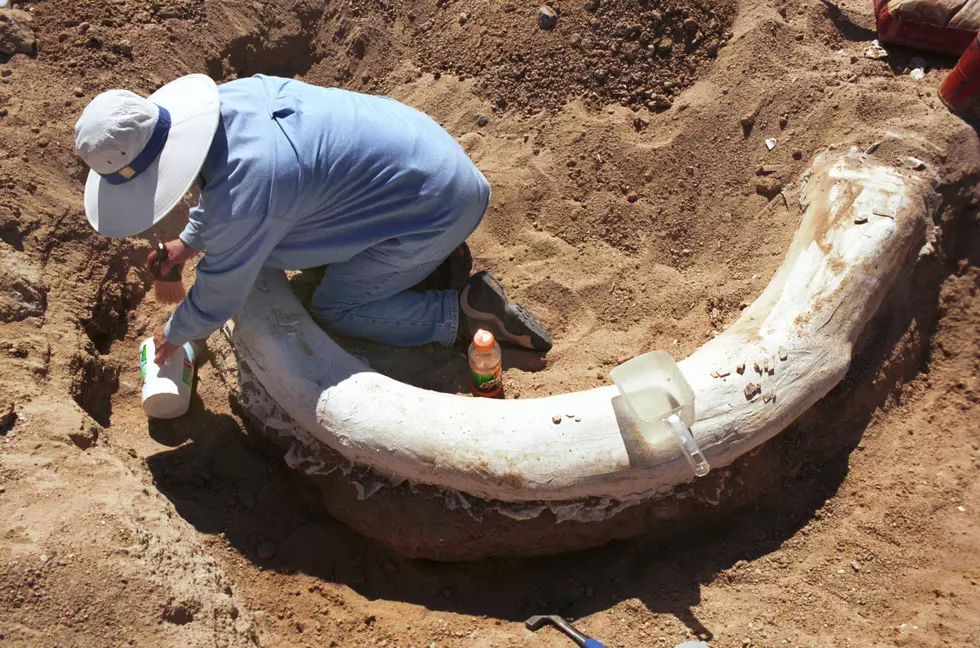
113	129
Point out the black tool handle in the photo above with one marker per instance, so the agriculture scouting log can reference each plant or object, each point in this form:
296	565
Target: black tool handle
162	256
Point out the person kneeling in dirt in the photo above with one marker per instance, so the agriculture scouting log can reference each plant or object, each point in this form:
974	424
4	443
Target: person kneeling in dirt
294	176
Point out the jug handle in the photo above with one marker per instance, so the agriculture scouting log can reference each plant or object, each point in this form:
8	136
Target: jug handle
688	445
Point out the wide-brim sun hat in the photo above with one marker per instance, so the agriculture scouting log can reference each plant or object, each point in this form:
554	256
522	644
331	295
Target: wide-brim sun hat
144	154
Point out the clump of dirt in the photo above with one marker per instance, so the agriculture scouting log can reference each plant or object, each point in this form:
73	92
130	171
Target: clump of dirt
639	53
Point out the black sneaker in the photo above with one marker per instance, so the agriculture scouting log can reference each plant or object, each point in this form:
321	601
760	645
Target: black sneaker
451	273
483	304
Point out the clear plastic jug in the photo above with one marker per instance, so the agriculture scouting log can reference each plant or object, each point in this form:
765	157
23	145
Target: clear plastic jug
661	402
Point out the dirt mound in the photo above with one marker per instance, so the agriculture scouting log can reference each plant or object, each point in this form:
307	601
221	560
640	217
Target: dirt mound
640	53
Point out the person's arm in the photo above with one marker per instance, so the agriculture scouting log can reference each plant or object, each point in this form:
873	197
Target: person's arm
235	252
193	234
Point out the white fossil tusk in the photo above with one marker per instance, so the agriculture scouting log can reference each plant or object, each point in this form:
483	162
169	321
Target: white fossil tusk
832	281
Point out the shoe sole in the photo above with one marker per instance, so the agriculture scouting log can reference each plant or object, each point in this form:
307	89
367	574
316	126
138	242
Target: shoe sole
514	318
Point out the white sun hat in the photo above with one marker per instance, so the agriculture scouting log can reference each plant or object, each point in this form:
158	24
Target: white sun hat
144	154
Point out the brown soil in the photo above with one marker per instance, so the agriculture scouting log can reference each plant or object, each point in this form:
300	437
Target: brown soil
627	231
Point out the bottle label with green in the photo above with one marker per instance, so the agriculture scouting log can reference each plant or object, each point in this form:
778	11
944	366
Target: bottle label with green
188	376
485	383
143	362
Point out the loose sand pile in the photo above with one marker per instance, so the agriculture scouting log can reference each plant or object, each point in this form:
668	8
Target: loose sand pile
631	214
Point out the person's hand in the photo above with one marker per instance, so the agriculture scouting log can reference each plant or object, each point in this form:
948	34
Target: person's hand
178	253
163	348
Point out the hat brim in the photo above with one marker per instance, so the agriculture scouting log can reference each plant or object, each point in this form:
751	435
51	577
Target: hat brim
132	207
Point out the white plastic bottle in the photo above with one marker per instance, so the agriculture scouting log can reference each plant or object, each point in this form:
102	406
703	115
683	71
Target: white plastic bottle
167	389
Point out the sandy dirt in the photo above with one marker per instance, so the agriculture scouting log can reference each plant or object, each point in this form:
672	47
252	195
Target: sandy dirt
633	209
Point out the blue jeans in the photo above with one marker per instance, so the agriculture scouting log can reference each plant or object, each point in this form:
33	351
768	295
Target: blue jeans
368	295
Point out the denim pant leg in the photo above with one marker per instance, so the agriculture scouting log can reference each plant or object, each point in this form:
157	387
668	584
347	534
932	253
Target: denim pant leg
366	297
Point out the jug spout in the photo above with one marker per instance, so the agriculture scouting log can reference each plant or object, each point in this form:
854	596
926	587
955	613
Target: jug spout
661	403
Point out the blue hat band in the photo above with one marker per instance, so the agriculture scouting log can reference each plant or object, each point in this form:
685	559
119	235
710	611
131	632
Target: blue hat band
146	157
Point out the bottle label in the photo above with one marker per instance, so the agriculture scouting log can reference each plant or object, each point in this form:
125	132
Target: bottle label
188	376
143	362
485	383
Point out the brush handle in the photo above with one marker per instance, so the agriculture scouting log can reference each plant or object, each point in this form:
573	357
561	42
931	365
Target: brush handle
592	643
162	255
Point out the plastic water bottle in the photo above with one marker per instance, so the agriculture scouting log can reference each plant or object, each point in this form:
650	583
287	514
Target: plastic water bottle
167	388
485	367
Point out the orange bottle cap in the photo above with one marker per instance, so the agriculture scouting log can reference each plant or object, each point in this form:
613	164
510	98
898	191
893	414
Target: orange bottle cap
483	340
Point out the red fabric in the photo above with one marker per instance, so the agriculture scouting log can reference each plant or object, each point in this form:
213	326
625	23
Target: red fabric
961	89
933	38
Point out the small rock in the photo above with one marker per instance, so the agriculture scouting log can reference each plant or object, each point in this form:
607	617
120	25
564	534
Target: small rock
592	6
740	368
8	418
917	74
691	26
266	550
463	18
769	187
748	121
797	154
876	52
78	92
665	46
123	47
783	121
547	18
771	143
575	40
84	27
16	32
752	390
855	565
482	121
632	197
556	419
783	353
913	163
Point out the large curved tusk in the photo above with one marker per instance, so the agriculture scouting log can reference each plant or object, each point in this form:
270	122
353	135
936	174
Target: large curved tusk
863	222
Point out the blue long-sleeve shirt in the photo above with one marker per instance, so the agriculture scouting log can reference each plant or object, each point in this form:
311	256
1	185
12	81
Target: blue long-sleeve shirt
300	176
